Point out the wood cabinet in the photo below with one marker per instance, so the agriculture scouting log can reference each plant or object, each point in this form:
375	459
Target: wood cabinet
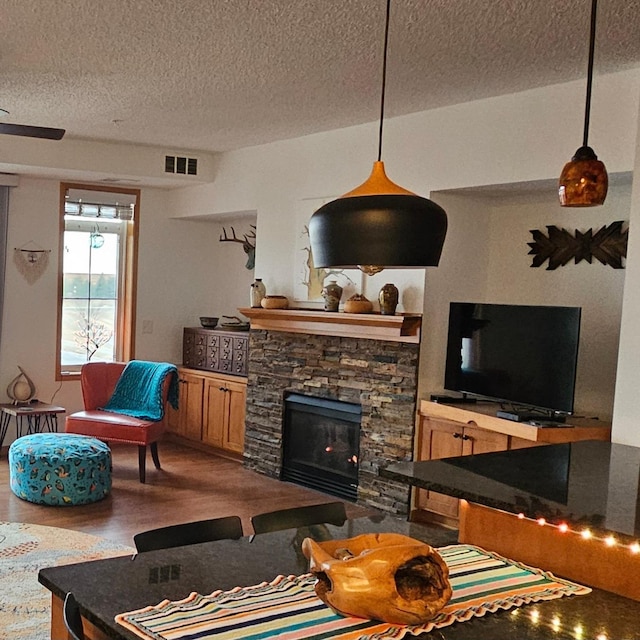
445	431
442	438
211	410
224	413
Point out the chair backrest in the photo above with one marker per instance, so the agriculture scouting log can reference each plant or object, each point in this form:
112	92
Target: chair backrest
72	618
98	381
179	535
328	513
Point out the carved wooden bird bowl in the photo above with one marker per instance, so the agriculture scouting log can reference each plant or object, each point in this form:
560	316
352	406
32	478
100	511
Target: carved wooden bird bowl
385	576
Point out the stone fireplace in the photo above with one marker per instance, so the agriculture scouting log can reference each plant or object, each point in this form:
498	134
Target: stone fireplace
372	363
321	444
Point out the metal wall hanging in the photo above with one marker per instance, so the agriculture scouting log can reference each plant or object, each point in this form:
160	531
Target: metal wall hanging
608	245
31	260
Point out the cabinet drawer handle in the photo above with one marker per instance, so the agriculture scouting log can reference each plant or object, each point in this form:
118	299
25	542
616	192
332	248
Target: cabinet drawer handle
466	437
457	435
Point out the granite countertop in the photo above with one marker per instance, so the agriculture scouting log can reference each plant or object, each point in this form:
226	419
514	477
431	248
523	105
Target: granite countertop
591	484
105	588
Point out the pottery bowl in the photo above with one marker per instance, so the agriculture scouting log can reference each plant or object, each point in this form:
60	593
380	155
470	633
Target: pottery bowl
275	302
208	322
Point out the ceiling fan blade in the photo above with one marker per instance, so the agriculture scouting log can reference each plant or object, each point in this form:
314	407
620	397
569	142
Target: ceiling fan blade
31	132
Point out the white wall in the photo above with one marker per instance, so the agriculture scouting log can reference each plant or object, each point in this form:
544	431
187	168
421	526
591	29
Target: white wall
627	395
494	266
519	138
183	272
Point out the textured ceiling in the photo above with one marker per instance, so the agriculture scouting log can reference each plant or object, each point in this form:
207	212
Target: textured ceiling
224	74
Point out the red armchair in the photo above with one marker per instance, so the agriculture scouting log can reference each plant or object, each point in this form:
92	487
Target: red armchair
98	381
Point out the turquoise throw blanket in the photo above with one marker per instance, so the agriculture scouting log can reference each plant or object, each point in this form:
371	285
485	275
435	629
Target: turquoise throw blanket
138	392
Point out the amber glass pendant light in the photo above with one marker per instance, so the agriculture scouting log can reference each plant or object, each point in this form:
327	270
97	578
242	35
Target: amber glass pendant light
378	224
584	180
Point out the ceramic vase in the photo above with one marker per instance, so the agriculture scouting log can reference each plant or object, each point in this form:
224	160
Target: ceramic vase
332	293
257	292
388	299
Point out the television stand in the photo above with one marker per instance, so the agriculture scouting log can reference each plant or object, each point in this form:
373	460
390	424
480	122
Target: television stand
530	416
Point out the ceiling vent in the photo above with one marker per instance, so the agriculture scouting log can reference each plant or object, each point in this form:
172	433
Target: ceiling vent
180	164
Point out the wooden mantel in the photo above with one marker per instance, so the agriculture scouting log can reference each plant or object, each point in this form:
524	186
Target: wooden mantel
373	326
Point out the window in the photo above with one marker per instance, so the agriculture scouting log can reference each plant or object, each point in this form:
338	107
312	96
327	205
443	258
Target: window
98	236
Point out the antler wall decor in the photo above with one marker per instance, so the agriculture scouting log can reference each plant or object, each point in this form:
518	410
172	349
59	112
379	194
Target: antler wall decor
246	241
608	245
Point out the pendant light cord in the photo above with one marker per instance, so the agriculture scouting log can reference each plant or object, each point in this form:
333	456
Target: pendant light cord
384	78
592	45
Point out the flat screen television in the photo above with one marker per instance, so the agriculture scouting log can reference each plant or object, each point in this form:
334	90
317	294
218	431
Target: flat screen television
522	355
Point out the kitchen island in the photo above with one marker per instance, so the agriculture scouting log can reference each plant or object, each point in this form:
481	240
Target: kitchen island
571	508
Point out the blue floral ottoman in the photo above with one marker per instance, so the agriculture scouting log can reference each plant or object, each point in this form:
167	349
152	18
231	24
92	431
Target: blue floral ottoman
59	469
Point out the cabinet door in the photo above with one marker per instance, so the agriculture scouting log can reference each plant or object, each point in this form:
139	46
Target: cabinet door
190	405
476	440
438	439
234	433
216	403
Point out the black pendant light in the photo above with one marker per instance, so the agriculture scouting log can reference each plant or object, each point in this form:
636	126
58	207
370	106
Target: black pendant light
584	181
379	224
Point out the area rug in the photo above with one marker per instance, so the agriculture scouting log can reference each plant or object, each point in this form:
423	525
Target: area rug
25	549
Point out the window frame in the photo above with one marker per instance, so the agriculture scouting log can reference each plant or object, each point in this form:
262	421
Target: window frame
126	315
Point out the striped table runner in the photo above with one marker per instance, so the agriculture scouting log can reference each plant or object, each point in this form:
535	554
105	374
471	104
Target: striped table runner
288	609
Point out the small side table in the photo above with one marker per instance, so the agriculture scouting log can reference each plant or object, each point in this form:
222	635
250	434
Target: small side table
39	416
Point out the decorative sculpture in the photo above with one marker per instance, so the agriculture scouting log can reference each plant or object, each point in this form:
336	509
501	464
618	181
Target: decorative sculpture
384	576
21	389
247	241
31	261
608	245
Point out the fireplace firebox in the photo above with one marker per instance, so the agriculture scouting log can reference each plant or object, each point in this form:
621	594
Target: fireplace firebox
321	444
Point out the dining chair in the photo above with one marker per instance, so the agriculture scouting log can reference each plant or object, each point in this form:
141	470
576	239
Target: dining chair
327	513
99	381
72	617
179	535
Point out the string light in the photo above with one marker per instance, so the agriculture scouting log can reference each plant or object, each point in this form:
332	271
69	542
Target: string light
586	534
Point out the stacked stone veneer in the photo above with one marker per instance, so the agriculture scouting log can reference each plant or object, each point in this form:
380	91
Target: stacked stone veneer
379	375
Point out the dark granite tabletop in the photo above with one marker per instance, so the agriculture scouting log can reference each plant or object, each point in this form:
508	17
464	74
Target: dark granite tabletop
593	484
105	588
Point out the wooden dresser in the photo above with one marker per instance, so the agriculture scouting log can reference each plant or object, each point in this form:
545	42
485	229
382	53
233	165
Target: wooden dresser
213	390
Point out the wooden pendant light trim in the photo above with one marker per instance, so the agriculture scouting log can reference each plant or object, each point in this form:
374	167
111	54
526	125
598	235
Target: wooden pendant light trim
378	184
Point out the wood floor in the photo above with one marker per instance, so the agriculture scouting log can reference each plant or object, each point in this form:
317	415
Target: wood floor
192	485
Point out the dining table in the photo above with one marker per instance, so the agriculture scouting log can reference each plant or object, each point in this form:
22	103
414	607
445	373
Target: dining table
108	587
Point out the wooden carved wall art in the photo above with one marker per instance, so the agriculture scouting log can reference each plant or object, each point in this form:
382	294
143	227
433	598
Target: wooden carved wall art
608	245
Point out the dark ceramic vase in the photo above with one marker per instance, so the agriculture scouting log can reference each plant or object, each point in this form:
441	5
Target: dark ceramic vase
388	299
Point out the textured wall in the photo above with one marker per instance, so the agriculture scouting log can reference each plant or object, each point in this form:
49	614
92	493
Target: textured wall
381	376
